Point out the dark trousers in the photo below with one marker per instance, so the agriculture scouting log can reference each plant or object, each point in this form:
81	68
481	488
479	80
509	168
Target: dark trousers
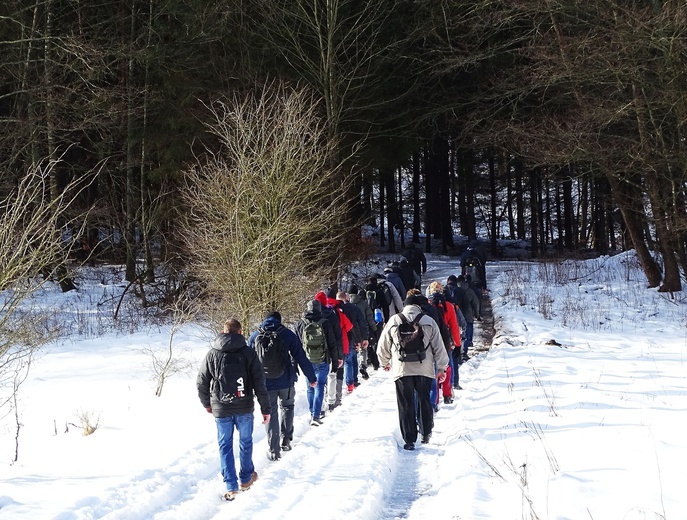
408	390
280	429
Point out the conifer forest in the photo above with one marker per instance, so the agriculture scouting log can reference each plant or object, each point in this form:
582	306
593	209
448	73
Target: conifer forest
153	127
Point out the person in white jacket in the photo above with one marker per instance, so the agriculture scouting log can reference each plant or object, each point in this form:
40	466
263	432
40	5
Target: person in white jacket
413	377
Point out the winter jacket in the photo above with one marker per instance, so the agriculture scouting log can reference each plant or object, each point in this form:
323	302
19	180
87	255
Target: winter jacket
448	312
388	347
294	353
396	301
335	321
469	303
368	313
208	375
416	259
344	323
360	331
395	279
408	275
382	304
333	347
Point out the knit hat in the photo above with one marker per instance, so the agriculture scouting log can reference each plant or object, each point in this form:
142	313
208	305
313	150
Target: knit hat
353	289
330	293
274	314
414	300
314	306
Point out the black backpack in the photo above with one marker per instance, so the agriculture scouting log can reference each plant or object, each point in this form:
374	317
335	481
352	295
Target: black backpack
271	352
372	299
387	293
232	383
411	345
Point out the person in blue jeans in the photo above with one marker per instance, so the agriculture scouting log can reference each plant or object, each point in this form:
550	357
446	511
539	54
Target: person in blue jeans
229	378
332	359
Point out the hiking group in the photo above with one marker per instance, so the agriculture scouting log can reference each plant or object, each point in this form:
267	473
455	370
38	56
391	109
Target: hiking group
388	323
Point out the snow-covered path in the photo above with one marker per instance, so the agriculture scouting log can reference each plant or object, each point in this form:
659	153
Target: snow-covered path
586	427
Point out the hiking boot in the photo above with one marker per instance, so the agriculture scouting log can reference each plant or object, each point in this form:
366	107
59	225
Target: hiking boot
448	399
271	455
315	421
410	446
350	388
356	384
286	445
331	407
436	408
230	495
425	438
247	485
363	372
322	414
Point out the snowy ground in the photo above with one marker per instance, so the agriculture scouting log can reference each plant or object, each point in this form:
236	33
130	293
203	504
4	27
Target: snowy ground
589	427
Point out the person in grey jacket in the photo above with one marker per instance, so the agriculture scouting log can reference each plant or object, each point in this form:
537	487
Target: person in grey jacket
228	379
413	377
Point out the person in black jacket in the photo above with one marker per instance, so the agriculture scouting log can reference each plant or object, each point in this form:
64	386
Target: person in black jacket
282	389
333	360
229	377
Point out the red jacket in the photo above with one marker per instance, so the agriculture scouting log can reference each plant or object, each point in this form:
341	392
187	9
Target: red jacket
344	322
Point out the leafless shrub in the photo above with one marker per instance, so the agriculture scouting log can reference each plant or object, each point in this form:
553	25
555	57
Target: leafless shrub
266	219
89	421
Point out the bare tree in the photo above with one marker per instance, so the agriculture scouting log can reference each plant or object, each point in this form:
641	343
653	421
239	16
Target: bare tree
31	224
266	213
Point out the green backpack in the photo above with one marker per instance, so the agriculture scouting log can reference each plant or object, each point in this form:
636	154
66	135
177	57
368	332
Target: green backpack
314	341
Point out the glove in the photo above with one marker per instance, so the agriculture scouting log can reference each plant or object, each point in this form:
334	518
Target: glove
208	409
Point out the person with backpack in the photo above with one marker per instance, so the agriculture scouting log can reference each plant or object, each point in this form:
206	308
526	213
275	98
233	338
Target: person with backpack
469	304
448	315
408	275
416	258
410	346
392	297
392	274
341	323
321	348
473	264
278	348
371	339
357	338
229	378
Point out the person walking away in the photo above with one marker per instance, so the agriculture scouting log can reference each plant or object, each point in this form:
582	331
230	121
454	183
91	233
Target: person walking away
319	343
391	273
368	313
357	337
410	346
469	304
229	378
473	263
278	350
408	275
433	313
447	312
416	258
392	297
335	380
